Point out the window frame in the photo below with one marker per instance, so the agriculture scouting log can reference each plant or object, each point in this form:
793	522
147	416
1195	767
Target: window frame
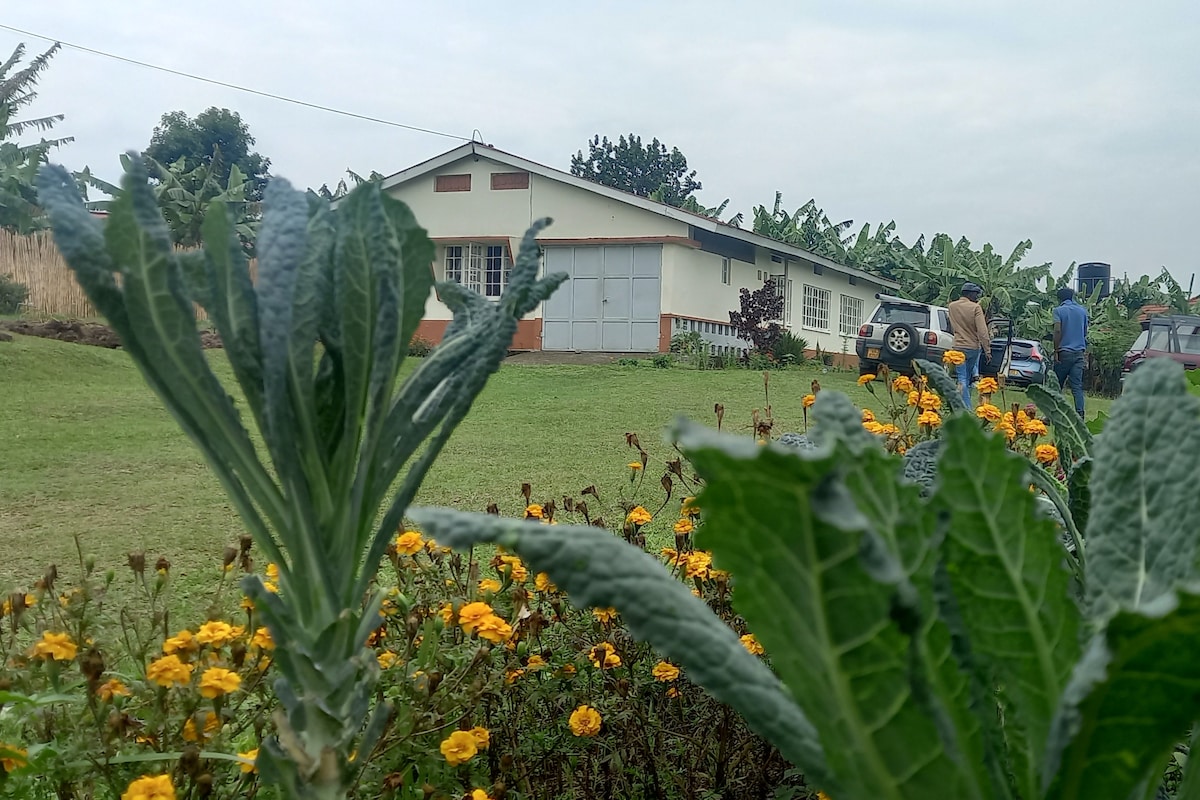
472	265
842	329
811	297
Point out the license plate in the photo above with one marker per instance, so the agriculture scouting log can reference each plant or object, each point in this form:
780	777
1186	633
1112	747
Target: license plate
872	352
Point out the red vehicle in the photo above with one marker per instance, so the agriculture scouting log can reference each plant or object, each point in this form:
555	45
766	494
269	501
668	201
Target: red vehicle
1176	337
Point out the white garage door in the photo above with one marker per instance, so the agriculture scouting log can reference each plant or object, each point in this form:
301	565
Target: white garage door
611	302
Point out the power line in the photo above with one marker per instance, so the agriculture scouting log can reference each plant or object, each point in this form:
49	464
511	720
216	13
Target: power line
236	87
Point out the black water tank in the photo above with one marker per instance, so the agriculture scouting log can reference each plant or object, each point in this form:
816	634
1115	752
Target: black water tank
1093	277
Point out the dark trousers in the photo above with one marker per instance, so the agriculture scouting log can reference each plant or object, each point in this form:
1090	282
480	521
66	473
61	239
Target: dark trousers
1069	369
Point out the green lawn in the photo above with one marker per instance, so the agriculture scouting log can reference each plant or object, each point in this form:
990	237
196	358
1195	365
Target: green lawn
86	450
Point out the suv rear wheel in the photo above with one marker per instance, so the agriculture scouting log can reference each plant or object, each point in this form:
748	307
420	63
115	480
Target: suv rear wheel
901	339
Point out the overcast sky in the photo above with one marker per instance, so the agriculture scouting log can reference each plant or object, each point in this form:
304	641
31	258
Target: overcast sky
1074	124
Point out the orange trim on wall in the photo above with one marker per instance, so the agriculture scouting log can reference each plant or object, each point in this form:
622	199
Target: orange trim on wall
469	239
601	240
666	324
527	337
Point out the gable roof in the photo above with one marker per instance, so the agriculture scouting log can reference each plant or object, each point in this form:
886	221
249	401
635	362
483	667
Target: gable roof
662	209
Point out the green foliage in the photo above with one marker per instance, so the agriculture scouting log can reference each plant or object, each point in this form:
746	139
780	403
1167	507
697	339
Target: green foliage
216	138
355	282
789	348
934	643
342	189
808	228
644	170
662	361
419	348
12	295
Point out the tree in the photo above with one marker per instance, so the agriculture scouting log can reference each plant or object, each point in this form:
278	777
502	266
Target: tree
758	320
342	189
808	228
19	208
197	141
643	170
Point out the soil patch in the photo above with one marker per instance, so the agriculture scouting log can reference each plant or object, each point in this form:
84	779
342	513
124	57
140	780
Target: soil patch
91	333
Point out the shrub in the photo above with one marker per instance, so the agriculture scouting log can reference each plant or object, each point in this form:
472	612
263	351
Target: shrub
12	295
789	349
420	348
756	321
662	361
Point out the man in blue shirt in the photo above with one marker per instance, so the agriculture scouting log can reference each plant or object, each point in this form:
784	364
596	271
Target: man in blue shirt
1070	344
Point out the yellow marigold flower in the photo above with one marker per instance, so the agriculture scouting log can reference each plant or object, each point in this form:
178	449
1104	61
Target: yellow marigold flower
270	587
567	669
512	675
12	758
930	418
635	465
272	572
112	688
534	511
930	402
212	724
868	415
479	794
459	748
988	386
689	508
493	628
585	721
386	659
150	787
247	604
1005	427
863	380
542	583
684	526
535	662
216	633
604	615
638	516
1035	427
56	646
989	412
169	671
409	543
604	656
665	672
750	642
182	642
955	357
489	585
470	615
249	761
1046	453
217	681
517	570
698	563
888	429
914	397
902	383
483	737
808	400
672	692
447	613
873	427
262	639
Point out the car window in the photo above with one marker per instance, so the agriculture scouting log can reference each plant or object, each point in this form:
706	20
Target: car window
1140	342
944	321
887	315
1189	339
1021	350
1160	338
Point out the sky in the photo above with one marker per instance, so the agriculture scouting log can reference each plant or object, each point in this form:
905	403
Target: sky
1073	124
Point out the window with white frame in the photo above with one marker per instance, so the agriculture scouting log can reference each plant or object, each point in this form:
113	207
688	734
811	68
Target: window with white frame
850	315
484	268
726	269
816	308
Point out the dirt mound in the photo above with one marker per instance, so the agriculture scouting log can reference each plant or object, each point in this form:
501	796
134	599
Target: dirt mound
91	333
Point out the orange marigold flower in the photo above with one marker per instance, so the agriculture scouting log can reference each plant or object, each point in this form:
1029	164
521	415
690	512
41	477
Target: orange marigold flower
12	758
272	572
54	646
930	402
638	516
930	418
409	543
914	397
808	400
517	571
459	748
604	656
112	688
470	615
182	642
489	585
868	415
863	380
684	526
955	357
217	681
150	787
604	615
989	412
988	386
169	671
493	629
585	721
665	672
635	465
212	724
698	563
534	511
542	583
902	383
386	659
262	639
750	642
689	508
216	633
1046	453
1035	427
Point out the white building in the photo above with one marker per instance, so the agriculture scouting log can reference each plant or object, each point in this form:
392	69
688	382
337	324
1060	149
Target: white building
640	271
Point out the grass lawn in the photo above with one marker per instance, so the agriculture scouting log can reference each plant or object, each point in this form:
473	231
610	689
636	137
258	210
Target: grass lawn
87	451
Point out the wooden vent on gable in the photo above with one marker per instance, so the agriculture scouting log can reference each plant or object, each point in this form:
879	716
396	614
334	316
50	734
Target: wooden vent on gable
453	183
510	180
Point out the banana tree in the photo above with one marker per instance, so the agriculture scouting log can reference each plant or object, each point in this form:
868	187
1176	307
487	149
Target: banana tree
808	228
186	195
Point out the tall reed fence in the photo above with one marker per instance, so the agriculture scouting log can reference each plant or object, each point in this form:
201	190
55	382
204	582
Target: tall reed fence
53	292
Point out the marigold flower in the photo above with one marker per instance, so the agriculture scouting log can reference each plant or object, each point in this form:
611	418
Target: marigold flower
470	615
262	639
750	642
902	383
216	633
585	721
604	615
249	761
635	465
1005	427
112	688
479	794
55	646
409	543
270	587
698	563
493	629
1035	427
212	724
272	572
955	357
535	662
386	659
930	402
12	758
665	672
217	681
914	397
567	669
169	671
459	748
808	400
489	585
542	583
534	511
863	380
483	737
684	526
1046	453
873	427
182	642
689	508
150	787
517	571
988	386
672	692
868	415
512	675
930	418
638	516
989	412
604	656
888	429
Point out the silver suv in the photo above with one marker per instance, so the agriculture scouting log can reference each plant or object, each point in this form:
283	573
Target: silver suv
900	330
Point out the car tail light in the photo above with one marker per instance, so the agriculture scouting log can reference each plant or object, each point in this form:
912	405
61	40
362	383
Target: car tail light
1035	355
865	331
930	337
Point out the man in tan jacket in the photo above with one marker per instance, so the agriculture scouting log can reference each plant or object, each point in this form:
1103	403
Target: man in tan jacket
970	336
